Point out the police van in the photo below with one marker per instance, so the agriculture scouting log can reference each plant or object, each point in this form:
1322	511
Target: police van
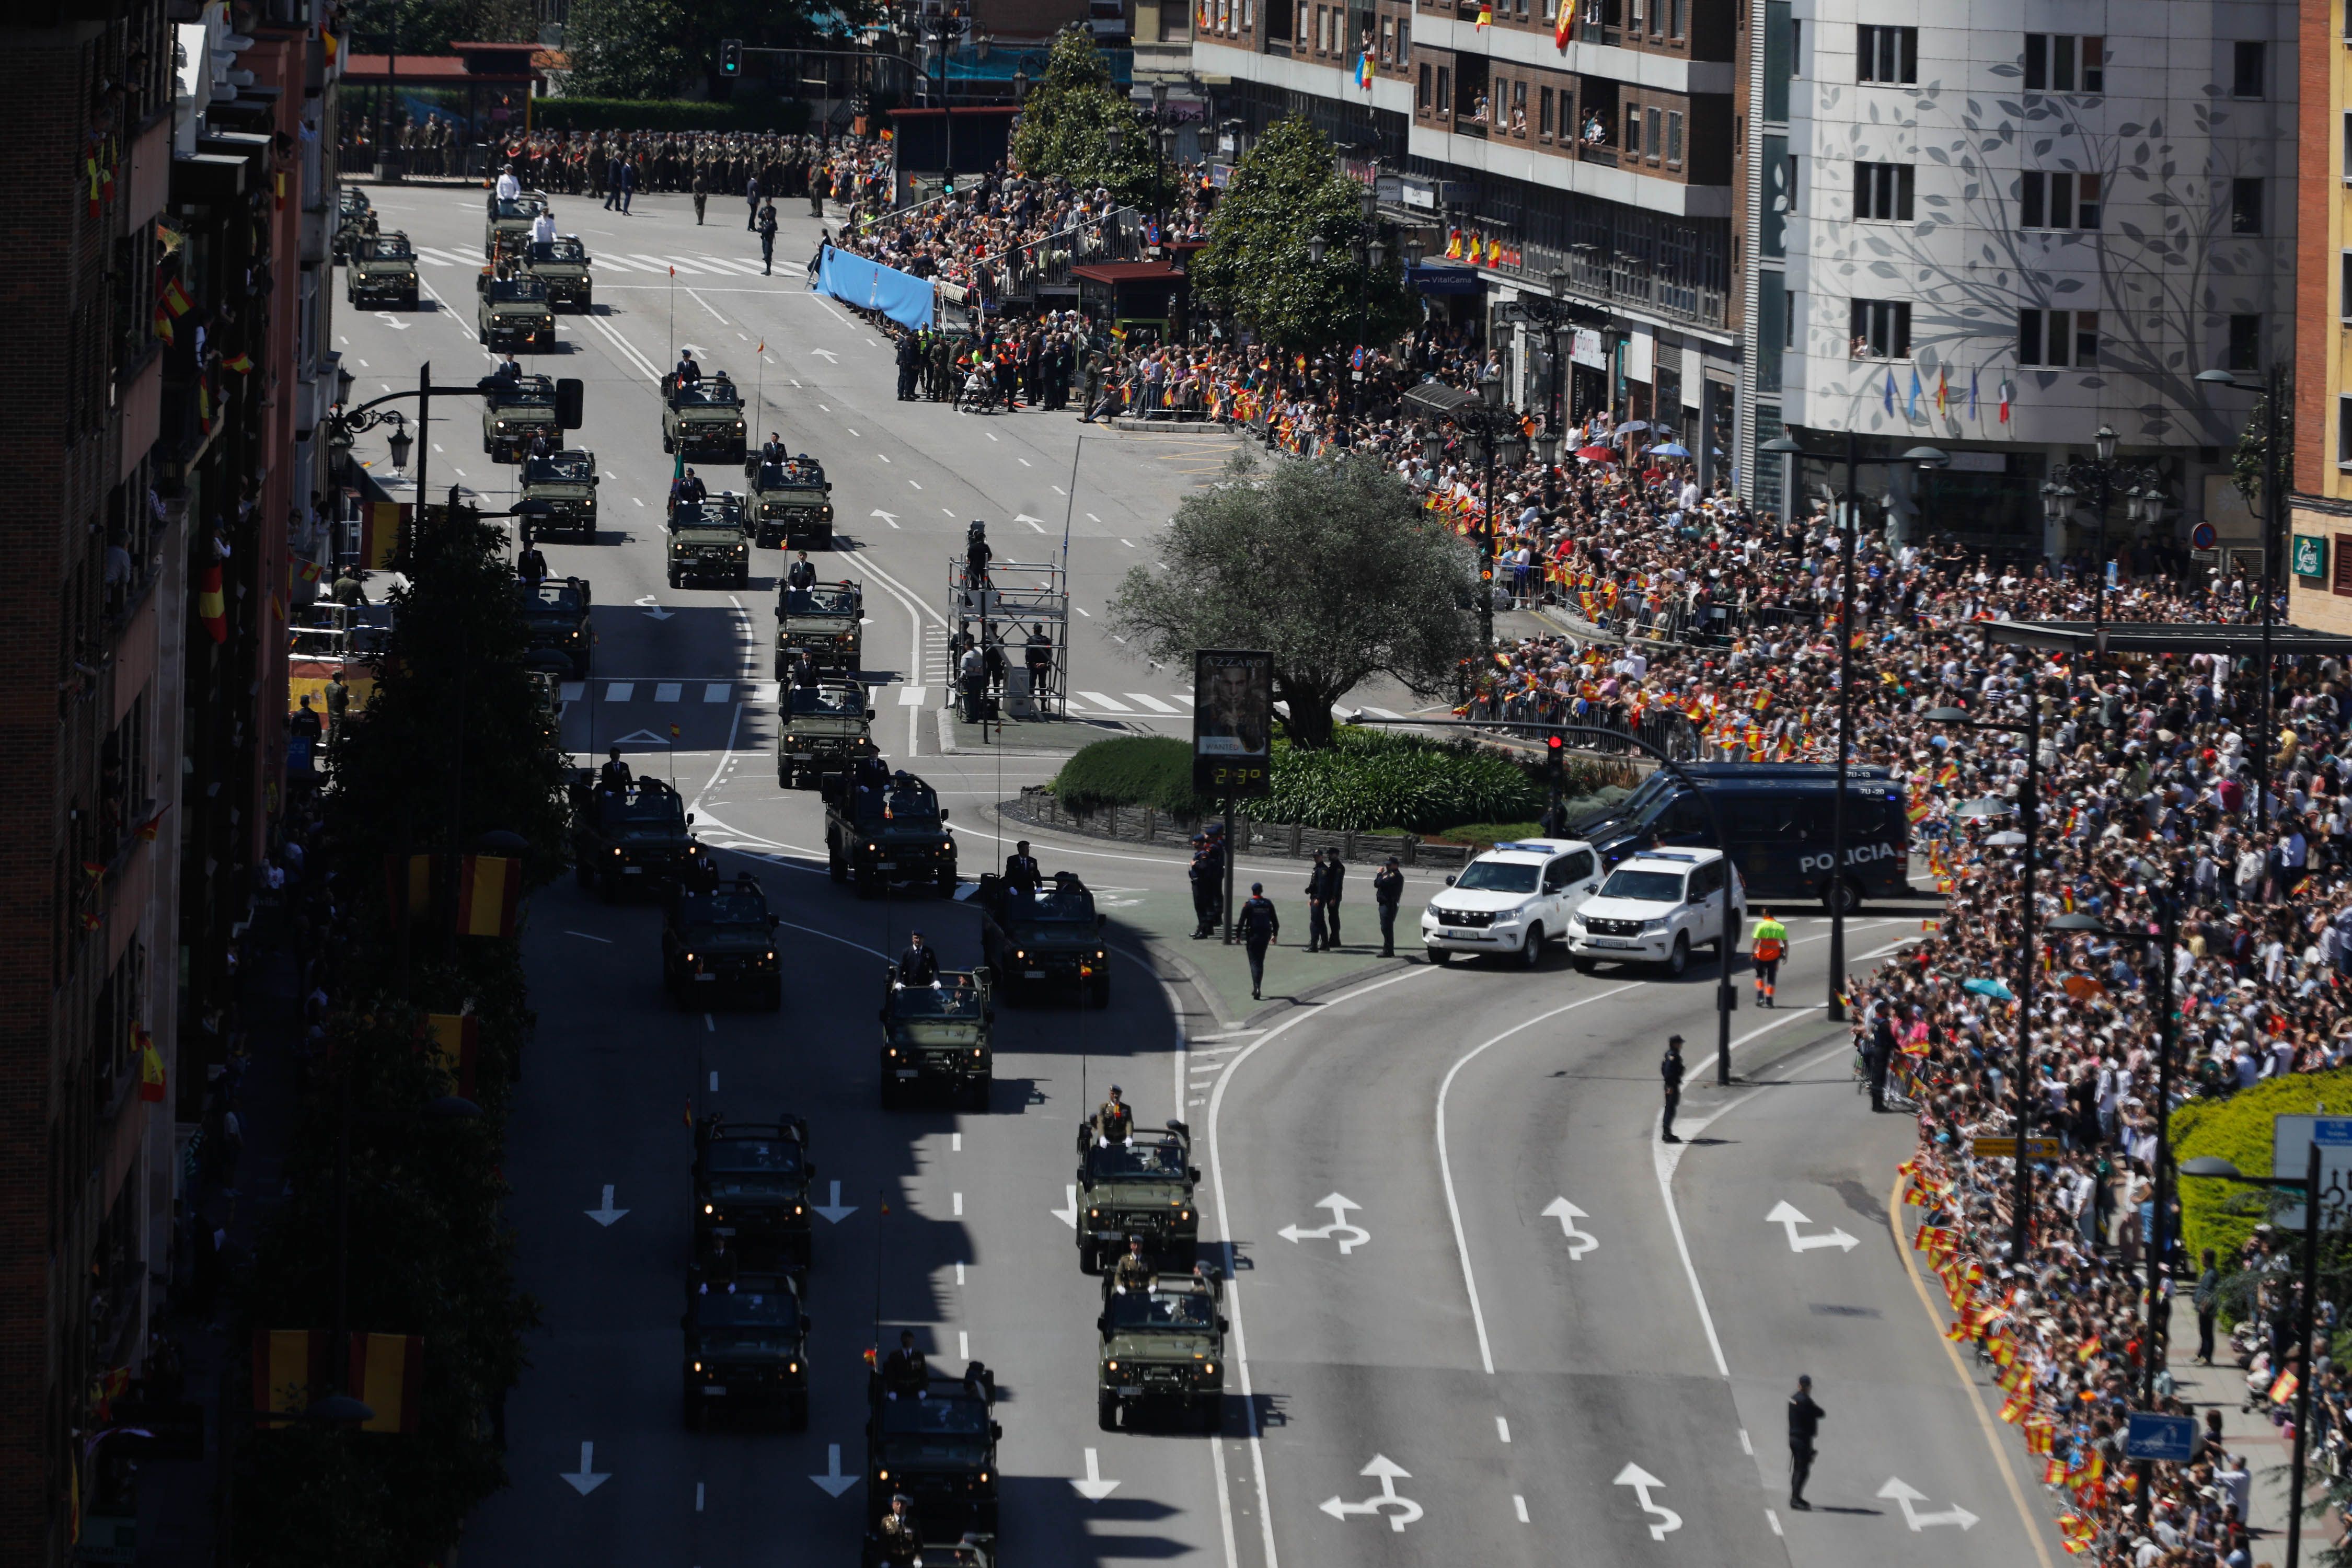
1779	819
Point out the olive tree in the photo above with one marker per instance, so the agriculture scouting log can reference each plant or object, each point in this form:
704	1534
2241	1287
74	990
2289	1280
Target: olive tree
1331	565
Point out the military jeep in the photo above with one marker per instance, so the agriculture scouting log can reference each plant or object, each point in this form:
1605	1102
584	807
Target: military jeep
383	270
827	731
938	1446
887	831
706	542
746	1347
515	409
509	225
937	1037
513	313
824	620
1163	1347
562	264
721	943
703	418
751	1189
351	209
626	839
1049	937
567	482
792	505
555	612
1142	1187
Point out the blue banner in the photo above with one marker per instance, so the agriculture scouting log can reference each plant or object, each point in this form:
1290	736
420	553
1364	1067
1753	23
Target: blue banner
854	281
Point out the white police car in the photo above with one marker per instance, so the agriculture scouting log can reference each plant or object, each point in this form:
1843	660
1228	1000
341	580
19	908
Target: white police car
1513	899
1656	907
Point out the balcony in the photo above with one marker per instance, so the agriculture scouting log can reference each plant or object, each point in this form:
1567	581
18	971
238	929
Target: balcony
1593	153
1626	280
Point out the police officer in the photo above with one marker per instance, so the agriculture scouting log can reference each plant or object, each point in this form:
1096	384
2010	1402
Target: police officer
1770	944
1114	1122
1021	873
920	965
1387	892
901	1541
1318	913
1670	1070
802	573
1335	881
905	1371
767	227
910	363
701	193
614	773
1207	874
976	555
1804	1421
1038	655
1260	926
1878	1053
1133	1273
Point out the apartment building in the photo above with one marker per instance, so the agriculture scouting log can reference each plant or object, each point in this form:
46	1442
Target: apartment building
2315	562
162	402
1998	231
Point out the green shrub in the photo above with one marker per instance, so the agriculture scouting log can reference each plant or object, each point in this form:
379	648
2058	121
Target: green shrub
1133	770
2222	1215
787	114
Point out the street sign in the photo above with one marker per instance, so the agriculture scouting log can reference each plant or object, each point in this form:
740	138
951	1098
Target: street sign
2310	556
2290	1141
1233	723
2171	1439
2204	536
2006	1148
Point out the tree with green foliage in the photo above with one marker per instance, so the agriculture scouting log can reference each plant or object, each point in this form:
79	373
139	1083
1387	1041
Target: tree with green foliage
1258	267
1331	565
416	26
2246	458
627	49
1067	119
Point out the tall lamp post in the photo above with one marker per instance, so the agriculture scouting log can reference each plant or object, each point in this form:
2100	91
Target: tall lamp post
1370	254
2069	483
2216	1169
1839	894
2025	842
2274	389
1493	431
2165	939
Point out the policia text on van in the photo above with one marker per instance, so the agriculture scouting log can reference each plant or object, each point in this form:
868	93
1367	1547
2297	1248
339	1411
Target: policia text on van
1779	817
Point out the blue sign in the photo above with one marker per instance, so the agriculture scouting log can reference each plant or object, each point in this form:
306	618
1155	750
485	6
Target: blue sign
2170	1439
853	279
2204	536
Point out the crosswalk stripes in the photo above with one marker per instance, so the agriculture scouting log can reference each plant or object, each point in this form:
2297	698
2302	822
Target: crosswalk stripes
911	696
1382	713
572	690
1152	702
667	692
719	691
1105	704
732	263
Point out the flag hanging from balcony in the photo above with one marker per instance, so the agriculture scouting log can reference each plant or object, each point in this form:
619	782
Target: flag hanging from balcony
1911	404
387	1375
1563	22
489	889
1486	13
151	1066
380	525
1890	391
239	362
1943	390
175	298
2005	390
1972	394
456	1037
211	608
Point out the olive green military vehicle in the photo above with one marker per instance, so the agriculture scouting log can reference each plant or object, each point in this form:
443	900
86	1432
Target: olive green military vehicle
351	209
827	729
514	314
752	1191
555	614
515	409
509	222
721	944
706	543
703	418
1047	938
567	482
382	271
1142	1187
1163	1349
792	505
936	1039
562	264
746	1347
825	621
626	838
888	832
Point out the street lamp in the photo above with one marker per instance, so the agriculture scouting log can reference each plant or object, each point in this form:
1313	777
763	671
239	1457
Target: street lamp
2067	487
400	441
1317	248
2274	389
2029	807
2217	1169
1839	894
2165	939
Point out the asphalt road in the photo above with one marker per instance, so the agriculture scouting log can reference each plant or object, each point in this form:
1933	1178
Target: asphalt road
1482	1315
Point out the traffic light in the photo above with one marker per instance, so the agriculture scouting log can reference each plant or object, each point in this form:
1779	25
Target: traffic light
730	57
1556	759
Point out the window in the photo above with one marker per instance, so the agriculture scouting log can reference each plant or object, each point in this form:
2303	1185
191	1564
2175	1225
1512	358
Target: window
1794	309
2058	338
1322	29
1519	107
1650	130
2247	63
1632	130
1881	329
2060	62
2343	460
2343	584
1404	40
1674	137
1883	191
1633	16
2245	343
1388	39
1886	54
2344	286
1420	92
1543	114
1796	40
1444	90
2057	200
2245	207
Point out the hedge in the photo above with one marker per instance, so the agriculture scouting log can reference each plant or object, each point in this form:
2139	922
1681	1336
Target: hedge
2222	1215
787	114
1133	770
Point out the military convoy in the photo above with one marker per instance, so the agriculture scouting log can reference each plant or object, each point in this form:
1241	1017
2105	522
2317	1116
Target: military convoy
721	943
515	409
827	729
1047	937
703	418
746	1347
936	1039
514	314
509	225
562	264
353	211
707	542
936	1446
1163	1349
383	270
555	612
883	831
752	1191
791	504
827	622
1140	1187
630	836
566	482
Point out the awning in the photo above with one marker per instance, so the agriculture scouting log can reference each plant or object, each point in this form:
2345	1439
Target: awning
1432	279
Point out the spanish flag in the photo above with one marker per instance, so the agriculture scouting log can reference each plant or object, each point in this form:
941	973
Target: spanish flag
334	47
289	1369
151	1066
1563	22
240	361
381	523
175	298
489	889
388	1374
211	608
455	1037
1486	13
2282	1391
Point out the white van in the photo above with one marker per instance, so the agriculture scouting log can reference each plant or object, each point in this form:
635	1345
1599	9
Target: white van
1513	899
1654	908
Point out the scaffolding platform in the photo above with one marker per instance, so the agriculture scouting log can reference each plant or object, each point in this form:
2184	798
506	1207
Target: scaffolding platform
1011	604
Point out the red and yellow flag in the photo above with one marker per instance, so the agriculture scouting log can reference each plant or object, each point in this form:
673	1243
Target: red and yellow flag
387	1375
151	1065
455	1037
211	607
489	890
381	523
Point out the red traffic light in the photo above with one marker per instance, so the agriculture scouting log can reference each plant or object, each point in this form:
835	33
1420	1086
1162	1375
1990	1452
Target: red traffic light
1555	744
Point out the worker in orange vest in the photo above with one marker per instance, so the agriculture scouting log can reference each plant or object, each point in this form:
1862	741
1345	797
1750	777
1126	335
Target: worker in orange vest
1771	943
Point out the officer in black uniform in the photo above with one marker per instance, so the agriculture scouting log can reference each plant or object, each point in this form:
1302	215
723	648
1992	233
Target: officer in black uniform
976	555
773	450
1208	877
719	1268
1387	892
802	573
688	372
1804	1421
1670	1069
1260	926
530	566
614	773
920	965
905	1371
1021	873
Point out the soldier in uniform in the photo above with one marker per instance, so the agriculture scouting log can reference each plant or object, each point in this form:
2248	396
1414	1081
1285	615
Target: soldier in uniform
802	574
1133	1273
530	566
1387	892
1021	873
718	1269
1259	928
905	1371
1114	1122
1207	873
1670	1072
614	773
339	705
902	1543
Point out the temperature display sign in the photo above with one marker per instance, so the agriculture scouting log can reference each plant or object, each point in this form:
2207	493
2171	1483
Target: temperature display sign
1233	723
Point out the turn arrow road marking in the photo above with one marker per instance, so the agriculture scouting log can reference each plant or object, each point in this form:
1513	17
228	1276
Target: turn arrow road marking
1334	1231
1388	1472
1642	1481
1579	1242
1904	1492
1785	1214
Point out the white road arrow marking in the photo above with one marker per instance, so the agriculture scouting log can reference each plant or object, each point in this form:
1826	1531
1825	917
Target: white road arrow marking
605	1215
1579	1242
1642	1480
1389	1473
833	1482
643	737
653	607
836	1211
885	516
1904	1492
1068	1216
1332	1232
389	319
830	357
1093	1488
1785	1214
1033	523
587	1480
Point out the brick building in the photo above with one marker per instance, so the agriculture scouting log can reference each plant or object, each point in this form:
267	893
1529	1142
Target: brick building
2317	564
162	385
